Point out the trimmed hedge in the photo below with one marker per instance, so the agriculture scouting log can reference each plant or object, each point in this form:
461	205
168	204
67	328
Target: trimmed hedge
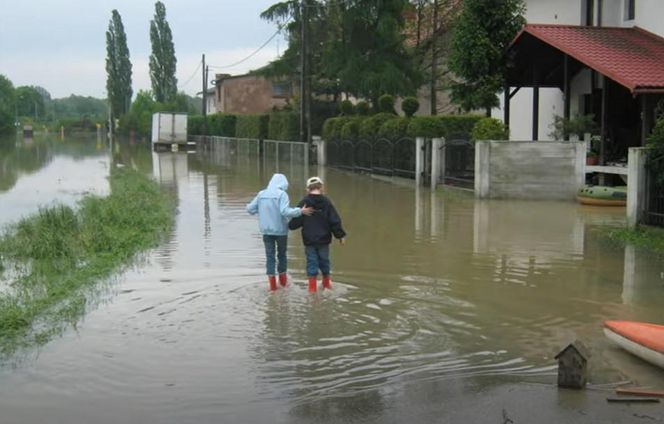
370	126
391	126
394	129
221	124
195	124
252	126
442	126
284	125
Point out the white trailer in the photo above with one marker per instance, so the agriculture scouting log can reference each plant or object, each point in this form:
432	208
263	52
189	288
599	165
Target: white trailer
169	129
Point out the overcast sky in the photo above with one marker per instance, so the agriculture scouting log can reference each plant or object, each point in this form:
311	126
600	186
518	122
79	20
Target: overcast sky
61	44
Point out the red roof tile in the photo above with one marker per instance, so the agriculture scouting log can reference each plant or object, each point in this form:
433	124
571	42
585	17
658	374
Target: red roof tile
633	57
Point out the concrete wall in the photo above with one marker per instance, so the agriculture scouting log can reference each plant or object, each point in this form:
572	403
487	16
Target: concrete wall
529	170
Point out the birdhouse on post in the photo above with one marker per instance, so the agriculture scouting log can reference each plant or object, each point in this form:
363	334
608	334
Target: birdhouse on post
573	366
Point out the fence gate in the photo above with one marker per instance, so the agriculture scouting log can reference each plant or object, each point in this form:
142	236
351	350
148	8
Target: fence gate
459	163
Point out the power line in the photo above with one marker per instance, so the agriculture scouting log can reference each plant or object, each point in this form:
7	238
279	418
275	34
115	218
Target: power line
191	77
255	51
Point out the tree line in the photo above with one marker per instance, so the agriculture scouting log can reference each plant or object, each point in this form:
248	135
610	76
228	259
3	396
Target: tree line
367	48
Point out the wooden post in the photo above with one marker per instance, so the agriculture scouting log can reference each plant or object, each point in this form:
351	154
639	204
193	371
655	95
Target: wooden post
506	106
605	102
566	88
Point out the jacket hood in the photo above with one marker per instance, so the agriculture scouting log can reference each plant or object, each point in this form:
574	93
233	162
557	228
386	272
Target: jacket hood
317	201
278	181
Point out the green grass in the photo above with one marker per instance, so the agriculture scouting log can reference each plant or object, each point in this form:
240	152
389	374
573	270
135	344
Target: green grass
49	261
648	238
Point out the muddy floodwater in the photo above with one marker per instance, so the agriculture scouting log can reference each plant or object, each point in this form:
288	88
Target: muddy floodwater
435	296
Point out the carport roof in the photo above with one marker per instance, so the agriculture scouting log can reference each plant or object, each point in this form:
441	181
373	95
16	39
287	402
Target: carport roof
633	57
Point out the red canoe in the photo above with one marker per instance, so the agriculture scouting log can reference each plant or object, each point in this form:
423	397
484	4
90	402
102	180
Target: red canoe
640	338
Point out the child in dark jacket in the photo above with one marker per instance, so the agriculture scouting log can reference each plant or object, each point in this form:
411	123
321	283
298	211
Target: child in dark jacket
317	231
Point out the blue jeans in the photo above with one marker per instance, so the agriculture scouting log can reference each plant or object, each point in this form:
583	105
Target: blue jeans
278	243
318	257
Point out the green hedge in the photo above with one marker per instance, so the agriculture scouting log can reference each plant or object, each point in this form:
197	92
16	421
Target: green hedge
221	124
252	126
195	124
394	129
284	125
370	126
332	127
442	126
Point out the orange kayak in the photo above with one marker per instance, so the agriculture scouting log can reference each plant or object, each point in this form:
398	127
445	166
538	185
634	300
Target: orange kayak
639	338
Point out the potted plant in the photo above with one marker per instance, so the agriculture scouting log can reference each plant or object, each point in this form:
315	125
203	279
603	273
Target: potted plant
592	158
573	128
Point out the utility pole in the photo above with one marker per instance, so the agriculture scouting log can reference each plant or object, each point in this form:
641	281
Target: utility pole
204	105
204	108
303	70
434	58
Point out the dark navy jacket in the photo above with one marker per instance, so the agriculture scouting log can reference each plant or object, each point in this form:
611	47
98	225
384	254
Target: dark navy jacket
317	229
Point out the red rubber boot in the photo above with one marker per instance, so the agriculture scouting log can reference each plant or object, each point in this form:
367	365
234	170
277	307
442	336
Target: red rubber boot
273	282
326	282
312	284
283	279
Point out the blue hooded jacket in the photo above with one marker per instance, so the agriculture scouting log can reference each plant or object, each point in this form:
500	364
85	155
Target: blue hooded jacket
273	207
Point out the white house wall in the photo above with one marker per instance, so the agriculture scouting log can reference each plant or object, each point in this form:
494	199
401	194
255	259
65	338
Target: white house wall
563	12
649	15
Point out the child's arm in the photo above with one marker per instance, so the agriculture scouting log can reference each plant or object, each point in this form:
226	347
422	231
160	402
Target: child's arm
285	209
252	207
296	222
335	223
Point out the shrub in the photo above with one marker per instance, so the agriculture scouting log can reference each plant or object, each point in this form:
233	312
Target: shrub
362	108
655	142
333	127
370	126
410	105
252	126
284	125
221	124
195	124
448	126
489	129
347	108
394	129
350	129
386	103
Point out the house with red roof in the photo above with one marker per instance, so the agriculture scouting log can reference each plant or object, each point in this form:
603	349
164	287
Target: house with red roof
591	57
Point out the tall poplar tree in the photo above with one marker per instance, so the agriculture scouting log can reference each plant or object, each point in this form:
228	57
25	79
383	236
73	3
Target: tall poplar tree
118	67
7	105
162	59
479	43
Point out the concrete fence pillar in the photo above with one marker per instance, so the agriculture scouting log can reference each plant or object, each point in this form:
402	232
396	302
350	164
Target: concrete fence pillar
320	150
419	160
636	184
482	186
436	144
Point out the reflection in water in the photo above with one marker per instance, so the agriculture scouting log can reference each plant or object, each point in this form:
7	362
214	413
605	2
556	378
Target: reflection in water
435	295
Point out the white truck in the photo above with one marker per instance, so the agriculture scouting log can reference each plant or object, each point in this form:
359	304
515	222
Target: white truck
169	129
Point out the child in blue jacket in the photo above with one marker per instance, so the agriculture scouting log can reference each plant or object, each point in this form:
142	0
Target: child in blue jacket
273	208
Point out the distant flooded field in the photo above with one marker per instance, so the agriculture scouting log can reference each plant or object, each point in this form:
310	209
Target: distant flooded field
434	293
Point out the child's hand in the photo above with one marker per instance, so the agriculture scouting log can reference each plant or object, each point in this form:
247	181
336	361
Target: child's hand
342	241
307	210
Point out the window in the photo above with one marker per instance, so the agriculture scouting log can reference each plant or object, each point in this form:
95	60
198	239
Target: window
281	89
630	9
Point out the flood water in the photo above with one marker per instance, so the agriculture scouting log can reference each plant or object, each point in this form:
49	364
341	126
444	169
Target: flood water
434	292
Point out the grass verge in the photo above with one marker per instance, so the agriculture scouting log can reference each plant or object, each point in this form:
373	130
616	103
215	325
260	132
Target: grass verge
50	259
648	238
